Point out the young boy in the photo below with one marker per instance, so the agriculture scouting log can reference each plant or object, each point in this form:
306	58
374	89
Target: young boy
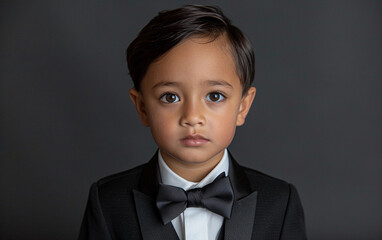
192	73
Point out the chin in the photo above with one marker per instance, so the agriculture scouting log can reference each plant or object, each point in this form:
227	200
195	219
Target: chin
196	158
194	161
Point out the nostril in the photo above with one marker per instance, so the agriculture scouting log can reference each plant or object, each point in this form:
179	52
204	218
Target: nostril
192	122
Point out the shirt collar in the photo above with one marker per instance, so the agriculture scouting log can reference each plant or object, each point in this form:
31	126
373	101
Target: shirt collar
171	178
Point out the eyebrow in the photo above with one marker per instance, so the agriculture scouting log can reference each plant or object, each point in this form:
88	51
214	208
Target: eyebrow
163	84
208	82
218	83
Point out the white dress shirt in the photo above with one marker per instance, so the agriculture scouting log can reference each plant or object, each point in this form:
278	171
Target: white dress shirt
195	223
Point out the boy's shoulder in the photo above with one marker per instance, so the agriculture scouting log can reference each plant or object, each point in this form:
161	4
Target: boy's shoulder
130	179
261	176
263	182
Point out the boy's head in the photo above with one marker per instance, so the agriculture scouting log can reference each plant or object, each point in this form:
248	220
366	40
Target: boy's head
192	72
171	27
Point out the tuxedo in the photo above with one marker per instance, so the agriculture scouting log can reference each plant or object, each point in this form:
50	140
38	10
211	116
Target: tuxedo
122	206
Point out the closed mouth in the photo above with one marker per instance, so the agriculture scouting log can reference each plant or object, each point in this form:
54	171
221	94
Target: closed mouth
194	140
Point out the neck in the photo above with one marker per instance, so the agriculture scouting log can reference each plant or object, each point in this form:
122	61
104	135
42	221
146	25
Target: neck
193	172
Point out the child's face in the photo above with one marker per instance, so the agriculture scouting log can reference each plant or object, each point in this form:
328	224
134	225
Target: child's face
191	98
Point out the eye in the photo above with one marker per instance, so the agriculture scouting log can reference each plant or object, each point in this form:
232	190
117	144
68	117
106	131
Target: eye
215	97
169	98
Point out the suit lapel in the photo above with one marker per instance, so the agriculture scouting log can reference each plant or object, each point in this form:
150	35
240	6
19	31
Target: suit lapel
150	223
240	225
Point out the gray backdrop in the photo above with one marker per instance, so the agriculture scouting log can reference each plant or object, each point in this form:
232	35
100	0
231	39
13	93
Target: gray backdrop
67	120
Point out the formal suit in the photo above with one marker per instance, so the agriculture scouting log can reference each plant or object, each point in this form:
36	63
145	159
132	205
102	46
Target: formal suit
122	206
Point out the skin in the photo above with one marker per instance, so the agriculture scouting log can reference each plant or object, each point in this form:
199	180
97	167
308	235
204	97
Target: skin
191	98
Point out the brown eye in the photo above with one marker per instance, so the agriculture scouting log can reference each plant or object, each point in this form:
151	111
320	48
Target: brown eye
169	98
215	97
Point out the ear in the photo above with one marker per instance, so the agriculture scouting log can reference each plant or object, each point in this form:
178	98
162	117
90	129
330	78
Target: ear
137	99
245	105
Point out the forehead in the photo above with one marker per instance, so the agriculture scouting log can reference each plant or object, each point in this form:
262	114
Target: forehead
195	60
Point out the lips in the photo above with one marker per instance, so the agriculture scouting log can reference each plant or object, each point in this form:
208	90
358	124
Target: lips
194	140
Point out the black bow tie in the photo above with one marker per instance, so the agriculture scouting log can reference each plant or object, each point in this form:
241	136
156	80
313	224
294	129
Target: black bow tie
216	197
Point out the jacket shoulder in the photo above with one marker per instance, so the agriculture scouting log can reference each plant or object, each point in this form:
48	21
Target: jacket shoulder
266	183
128	179
111	209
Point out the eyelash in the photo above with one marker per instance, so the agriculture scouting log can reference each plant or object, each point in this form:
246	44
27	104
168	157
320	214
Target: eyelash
164	96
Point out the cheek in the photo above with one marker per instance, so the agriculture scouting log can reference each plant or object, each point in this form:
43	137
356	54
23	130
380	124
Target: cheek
162	124
157	115
227	116
162	134
225	126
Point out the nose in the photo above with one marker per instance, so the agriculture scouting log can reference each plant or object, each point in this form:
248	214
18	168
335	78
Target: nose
192	115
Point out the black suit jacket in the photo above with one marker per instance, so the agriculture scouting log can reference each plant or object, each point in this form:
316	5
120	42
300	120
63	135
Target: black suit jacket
122	206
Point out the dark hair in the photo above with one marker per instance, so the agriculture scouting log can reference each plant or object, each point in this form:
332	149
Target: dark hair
170	27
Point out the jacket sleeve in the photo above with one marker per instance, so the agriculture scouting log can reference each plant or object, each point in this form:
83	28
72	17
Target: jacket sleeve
294	221
93	224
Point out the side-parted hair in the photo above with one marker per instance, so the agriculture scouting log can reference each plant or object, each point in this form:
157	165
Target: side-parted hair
170	27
